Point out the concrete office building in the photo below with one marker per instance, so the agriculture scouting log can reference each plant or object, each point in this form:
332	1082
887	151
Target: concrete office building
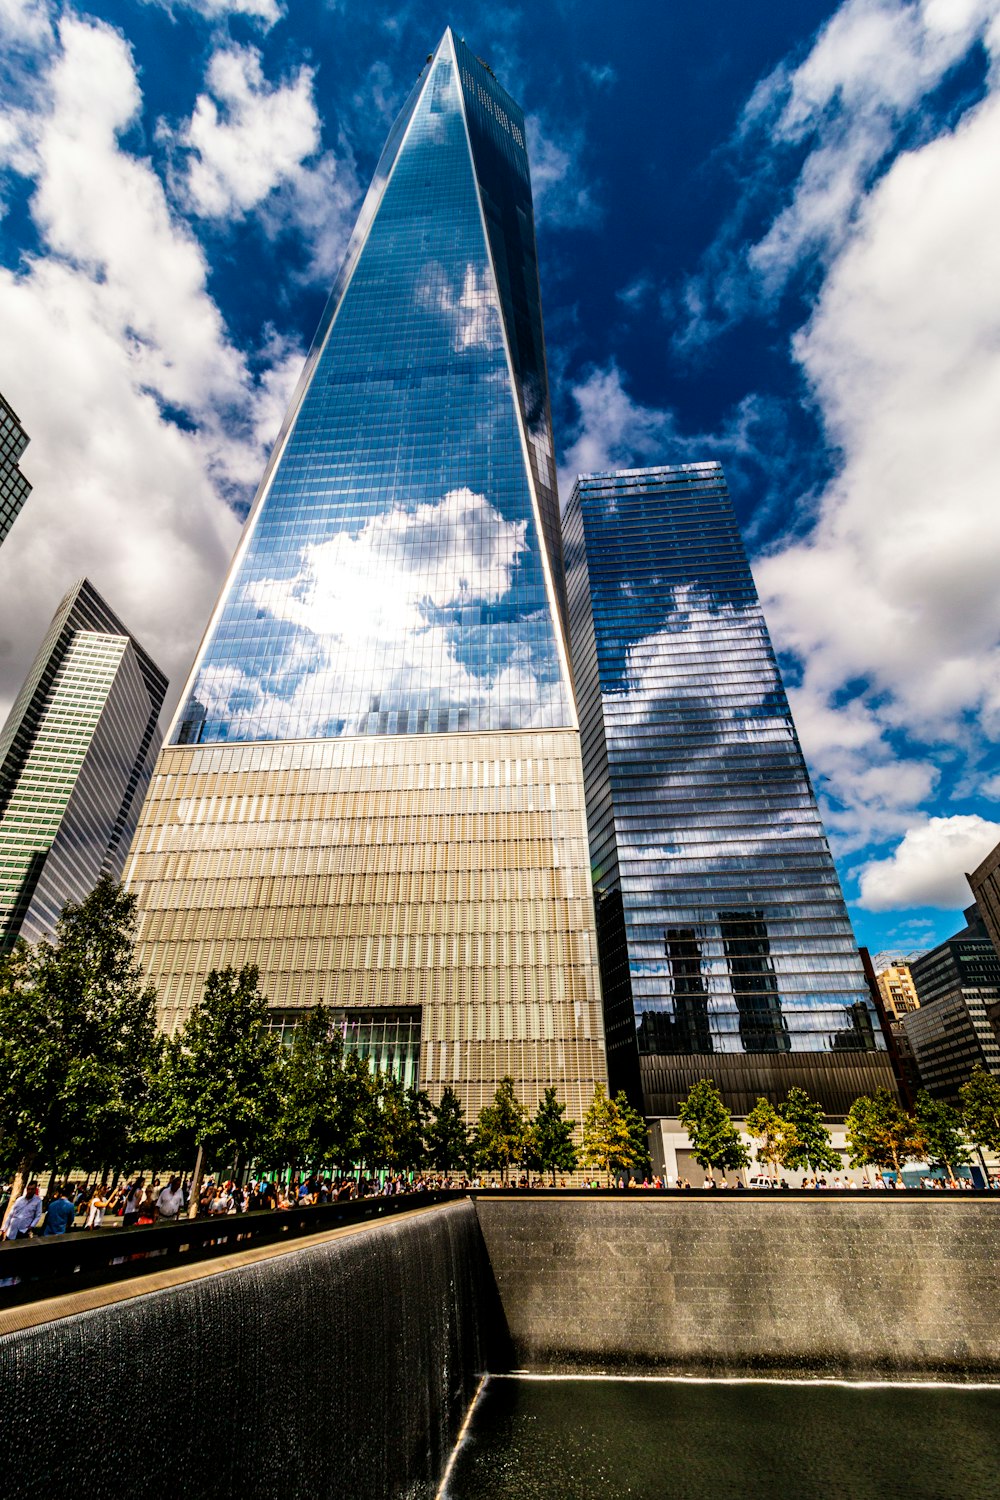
895	983
76	755
985	884
373	787
726	948
14	488
958	985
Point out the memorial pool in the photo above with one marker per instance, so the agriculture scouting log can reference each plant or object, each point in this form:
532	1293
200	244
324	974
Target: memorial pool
555	1438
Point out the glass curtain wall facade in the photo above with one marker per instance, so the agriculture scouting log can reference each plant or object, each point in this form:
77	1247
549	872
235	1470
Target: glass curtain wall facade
373	787
76	755
14	488
726	948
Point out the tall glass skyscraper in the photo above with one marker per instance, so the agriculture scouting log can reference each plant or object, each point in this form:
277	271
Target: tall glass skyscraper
14	488
76	755
726	948
373	787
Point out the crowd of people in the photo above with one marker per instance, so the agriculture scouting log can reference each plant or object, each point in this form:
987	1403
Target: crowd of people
139	1201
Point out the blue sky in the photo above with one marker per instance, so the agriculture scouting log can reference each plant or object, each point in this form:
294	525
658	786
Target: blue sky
767	235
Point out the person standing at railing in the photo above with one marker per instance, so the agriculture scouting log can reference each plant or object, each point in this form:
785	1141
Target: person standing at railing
101	1201
133	1199
170	1202
59	1215
25	1213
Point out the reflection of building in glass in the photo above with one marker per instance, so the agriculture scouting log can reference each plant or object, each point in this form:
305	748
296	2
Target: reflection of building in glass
76	755
690	995
373	788
726	949
753	980
951	1032
388	1040
14	488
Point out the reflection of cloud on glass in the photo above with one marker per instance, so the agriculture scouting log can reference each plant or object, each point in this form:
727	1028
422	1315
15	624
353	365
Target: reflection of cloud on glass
471	310
705	653
393	629
400	566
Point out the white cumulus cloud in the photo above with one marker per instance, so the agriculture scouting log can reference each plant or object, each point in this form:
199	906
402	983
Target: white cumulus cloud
929	867
244	136
265	12
560	190
896	584
107	331
251	144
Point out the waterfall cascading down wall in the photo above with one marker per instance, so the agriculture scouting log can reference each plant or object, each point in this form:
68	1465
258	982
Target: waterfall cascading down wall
338	1369
344	1367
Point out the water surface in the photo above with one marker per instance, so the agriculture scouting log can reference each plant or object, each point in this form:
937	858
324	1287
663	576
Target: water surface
564	1439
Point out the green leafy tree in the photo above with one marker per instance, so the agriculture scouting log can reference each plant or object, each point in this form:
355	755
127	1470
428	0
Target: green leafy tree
980	1096
502	1130
941	1128
774	1136
550	1145
401	1121
709	1125
811	1150
310	1124
607	1141
78	1039
880	1133
637	1134
221	1081
447	1133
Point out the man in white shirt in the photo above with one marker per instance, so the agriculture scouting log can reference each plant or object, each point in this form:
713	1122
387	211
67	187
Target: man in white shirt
25	1214
170	1202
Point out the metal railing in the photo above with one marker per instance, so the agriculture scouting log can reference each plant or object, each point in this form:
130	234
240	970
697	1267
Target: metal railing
52	1265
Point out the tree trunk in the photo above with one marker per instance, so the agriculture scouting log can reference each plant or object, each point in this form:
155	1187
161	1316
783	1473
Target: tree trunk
199	1172
21	1179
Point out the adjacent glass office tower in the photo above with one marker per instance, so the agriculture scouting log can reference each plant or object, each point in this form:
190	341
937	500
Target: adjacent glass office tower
14	488
726	949
373	788
76	755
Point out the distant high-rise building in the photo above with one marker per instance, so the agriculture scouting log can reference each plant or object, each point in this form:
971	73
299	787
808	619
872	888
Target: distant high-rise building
373	788
985	883
14	488
895	982
726	948
76	755
952	1031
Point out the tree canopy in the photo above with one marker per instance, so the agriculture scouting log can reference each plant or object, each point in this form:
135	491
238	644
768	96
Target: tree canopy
810	1149
980	1096
776	1138
447	1133
716	1141
881	1134
77	1034
550	1140
502	1130
940	1126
